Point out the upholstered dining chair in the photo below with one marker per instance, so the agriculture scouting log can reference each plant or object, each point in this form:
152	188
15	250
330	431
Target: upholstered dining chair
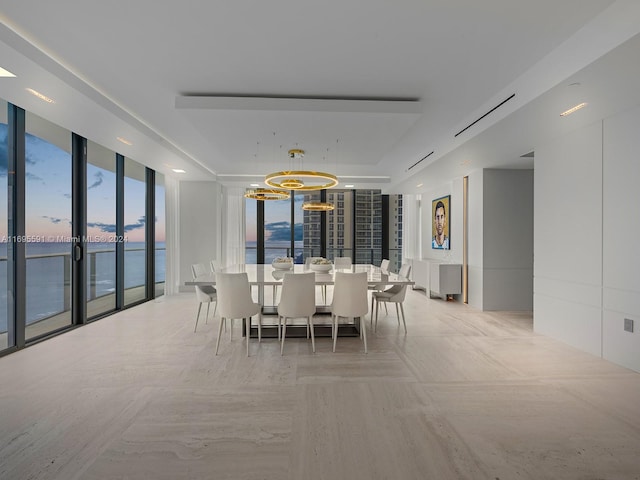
349	301
394	294
323	288
235	301
384	266
297	300
204	294
342	262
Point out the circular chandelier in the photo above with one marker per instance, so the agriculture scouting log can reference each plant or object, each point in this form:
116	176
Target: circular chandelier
267	194
303	180
317	206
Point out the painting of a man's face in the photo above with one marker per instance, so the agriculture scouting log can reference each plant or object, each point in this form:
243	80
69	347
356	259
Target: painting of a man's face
440	230
440	221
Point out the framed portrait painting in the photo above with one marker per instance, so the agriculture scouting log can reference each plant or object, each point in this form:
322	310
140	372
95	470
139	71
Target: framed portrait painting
440	208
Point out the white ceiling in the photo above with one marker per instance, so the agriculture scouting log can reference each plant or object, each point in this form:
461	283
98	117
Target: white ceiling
154	72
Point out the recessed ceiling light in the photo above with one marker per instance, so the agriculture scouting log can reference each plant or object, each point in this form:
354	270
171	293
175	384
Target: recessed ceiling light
124	140
179	170
39	95
254	185
5	73
573	109
348	186
419	185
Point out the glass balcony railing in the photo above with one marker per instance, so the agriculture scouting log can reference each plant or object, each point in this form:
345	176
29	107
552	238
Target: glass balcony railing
49	281
363	255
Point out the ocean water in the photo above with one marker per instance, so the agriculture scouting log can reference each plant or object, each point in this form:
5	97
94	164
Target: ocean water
46	283
273	250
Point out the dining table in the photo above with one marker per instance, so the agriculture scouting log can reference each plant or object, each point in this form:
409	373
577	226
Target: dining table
264	275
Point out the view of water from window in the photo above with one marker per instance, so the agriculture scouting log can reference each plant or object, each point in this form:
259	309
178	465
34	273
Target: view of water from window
48	226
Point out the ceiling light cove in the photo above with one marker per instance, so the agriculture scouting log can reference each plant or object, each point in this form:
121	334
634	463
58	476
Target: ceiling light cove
178	170
40	95
124	140
6	73
573	109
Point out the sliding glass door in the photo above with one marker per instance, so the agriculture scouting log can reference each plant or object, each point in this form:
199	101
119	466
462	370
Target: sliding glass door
77	236
101	230
5	323
47	226
134	232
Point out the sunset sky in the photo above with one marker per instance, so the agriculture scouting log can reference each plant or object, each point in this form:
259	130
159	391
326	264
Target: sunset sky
48	194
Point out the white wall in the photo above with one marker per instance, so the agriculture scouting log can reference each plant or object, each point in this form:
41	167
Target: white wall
620	234
587	265
507	243
475	246
199	232
500	250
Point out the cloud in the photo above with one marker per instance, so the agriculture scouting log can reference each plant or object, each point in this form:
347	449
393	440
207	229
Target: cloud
31	176
53	220
133	226
111	227
98	180
103	227
281	231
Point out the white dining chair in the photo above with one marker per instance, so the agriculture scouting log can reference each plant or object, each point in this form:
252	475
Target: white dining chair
384	267
342	262
297	300
323	288
235	301
394	294
349	301
204	294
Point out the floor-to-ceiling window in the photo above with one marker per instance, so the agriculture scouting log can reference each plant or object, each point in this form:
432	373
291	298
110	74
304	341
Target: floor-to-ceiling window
47	226
277	229
160	234
368	226
44	196
134	232
298	228
101	229
354	228
312	227
394	232
4	163
251	233
340	224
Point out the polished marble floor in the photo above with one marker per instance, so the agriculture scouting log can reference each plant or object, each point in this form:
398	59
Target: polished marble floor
464	395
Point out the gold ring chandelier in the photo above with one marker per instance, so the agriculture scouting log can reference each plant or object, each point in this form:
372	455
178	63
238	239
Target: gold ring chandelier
302	180
317	206
267	194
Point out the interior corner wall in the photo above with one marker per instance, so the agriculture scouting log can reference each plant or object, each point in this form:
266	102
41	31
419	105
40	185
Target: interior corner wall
475	247
199	236
507	240
587	261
